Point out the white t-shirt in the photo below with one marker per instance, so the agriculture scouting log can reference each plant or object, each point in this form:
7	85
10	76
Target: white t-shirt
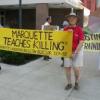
45	24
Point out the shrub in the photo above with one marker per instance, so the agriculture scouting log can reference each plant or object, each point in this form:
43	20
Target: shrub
16	58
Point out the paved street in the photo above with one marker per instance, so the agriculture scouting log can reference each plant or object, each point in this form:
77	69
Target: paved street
45	80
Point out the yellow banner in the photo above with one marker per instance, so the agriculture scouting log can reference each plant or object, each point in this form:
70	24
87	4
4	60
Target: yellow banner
92	42
52	43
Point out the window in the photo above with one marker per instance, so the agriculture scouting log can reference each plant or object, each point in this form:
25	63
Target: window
2	18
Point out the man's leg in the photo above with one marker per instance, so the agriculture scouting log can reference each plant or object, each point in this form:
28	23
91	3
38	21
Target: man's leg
77	76
68	75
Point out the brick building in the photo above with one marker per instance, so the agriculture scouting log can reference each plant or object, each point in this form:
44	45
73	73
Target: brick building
34	12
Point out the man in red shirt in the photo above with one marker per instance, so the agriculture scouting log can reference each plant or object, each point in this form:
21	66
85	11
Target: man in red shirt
76	61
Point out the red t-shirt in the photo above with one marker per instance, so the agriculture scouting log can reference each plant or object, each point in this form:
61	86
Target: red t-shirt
78	35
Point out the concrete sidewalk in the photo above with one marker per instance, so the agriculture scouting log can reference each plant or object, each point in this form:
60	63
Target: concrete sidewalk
45	80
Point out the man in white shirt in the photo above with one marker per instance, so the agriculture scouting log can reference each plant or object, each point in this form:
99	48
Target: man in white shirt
65	23
47	23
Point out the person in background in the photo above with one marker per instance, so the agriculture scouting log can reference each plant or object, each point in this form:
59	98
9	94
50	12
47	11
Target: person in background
76	61
65	24
47	23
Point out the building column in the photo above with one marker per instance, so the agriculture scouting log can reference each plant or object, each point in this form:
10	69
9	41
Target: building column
41	14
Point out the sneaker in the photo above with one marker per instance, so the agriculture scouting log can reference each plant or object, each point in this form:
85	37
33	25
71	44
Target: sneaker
69	86
76	87
46	59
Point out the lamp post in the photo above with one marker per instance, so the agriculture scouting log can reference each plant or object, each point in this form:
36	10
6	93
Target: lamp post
20	13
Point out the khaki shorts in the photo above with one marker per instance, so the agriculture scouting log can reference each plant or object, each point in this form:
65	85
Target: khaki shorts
76	62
